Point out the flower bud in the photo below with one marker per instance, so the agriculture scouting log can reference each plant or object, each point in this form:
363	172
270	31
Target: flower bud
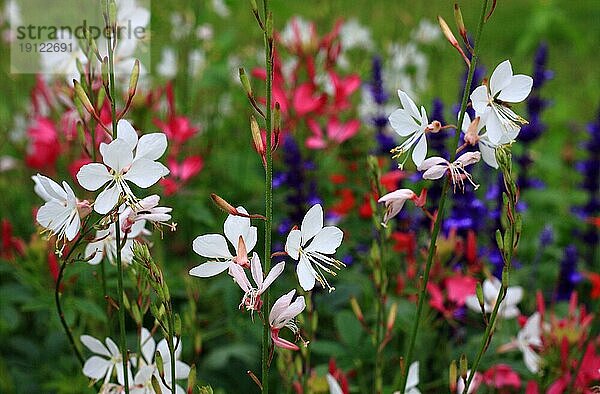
83	97
499	240
256	136
447	32
133	79
245	81
459	20
224	205
112	13
391	317
434	127
463	366
158	361
453	376
505	277
356	309
479	292
177	324
191	379
156	385
472	133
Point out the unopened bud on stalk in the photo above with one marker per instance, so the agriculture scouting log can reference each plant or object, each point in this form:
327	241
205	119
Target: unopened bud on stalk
459	21
80	69
434	127
499	240
156	385
472	134
463	366
133	79
100	98
451	39
158	360
256	137
112	13
453	376
391	317
479	292
224	205
191	380
276	125
356	309
177	324
83	97
253	5
505	277
245	81
269	26
104	71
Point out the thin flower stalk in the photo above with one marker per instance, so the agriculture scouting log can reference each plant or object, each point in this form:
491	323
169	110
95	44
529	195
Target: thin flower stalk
438	220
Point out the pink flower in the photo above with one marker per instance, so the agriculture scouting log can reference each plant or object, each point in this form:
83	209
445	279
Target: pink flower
282	315
502	376
181	173
343	87
394	202
337	132
44	147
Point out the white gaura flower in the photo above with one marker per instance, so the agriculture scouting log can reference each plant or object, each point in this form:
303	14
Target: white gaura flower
146	209
62	212
148	363
491	288
282	315
394	202
251	298
104	245
412	380
105	360
408	122
528	338
475	383
311	256
504	87
142	169
240	234
436	167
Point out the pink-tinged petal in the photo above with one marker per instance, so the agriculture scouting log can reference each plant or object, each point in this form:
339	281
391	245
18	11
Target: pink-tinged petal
256	269
93	176
435	172
480	99
468	158
282	343
501	77
117	155
273	274
403	123
209	269
326	241
432	161
306	274
420	151
96	367
127	133
334	386
107	199
409	105
236	226
400	194
315	143
145	172
517	90
293	310
312	223
239	277
151	146
292	244
213	246
494	128
94	345
279	307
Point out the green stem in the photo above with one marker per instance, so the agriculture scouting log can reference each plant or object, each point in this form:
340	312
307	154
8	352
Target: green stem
310	333
122	340
172	345
440	214
266	296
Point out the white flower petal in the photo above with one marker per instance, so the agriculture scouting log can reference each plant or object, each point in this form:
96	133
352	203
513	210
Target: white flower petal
209	269
420	151
273	274
239	277
514	295
127	133
96	367
326	241
51	188
251	238
532	360
292	244
92	176
52	215
279	306
501	77
94	345
145	173
213	246
334	386
517	90
409	105
73	226
480	99
236	226
312	223
117	155
306	274
403	123
256	269
148	345
412	380
488	153
151	146
435	172
494	128
107	199
294	309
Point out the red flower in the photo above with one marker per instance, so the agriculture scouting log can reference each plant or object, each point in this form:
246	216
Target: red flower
502	376
595	281
44	147
346	204
10	245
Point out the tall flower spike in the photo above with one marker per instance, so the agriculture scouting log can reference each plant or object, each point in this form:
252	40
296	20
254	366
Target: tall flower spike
311	257
504	87
251	299
436	167
282	315
408	122
142	169
239	233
